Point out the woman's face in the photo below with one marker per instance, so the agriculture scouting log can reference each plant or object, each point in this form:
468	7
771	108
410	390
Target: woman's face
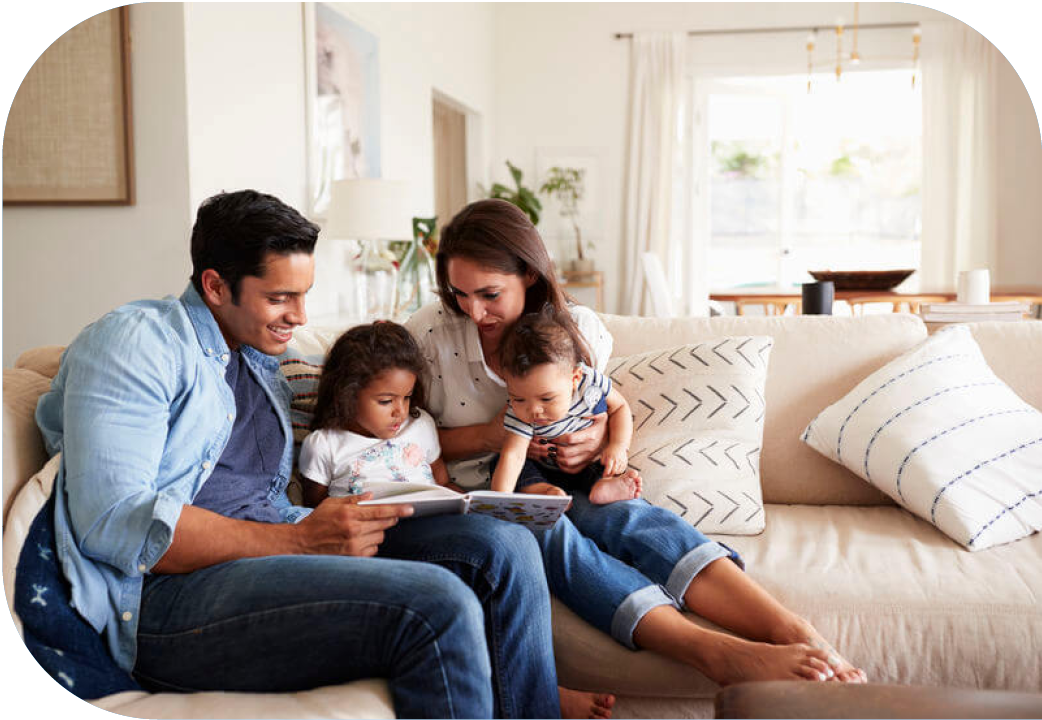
492	299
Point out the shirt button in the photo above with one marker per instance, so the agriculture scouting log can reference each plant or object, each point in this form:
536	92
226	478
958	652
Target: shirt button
127	616
209	351
142	567
224	358
206	464
231	416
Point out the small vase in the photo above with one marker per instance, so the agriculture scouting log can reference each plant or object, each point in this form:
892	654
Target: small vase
585	265
415	278
375	279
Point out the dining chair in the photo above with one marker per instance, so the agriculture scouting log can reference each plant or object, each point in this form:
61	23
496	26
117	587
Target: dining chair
911	302
772	304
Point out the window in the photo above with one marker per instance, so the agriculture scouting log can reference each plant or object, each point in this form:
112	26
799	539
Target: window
801	181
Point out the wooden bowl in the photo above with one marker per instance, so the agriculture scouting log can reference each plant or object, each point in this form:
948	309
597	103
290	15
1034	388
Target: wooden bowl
863	279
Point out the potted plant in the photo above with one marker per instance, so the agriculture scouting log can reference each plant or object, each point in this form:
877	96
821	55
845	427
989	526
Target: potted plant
567	186
520	195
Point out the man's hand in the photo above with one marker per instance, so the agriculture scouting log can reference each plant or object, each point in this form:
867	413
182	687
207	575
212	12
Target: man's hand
576	450
339	526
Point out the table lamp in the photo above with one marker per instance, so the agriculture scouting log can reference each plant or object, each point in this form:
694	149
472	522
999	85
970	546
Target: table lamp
370	212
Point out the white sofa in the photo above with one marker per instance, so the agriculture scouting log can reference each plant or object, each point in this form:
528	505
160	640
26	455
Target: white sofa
894	594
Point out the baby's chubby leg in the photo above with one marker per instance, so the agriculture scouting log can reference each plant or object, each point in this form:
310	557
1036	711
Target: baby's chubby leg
541	488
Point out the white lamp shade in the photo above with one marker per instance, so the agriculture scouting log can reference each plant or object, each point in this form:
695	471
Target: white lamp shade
369	210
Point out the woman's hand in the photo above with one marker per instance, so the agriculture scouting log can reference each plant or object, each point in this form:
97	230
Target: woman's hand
576	450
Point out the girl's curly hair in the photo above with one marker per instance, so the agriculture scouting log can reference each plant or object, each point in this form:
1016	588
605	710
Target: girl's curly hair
539	338
358	356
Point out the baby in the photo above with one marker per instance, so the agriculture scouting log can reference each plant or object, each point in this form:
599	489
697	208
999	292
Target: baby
368	422
553	391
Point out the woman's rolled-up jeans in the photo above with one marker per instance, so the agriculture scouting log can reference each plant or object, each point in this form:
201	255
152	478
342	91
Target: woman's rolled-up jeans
611	564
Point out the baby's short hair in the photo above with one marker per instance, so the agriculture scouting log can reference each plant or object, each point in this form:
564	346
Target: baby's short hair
540	338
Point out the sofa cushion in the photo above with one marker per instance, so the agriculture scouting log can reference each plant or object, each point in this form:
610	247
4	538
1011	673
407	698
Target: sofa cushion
814	362
698	426
24	452
43	359
359	699
941	434
891	592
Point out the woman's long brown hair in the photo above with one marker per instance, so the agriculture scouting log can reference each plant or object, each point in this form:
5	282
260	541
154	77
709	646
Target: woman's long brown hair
499	236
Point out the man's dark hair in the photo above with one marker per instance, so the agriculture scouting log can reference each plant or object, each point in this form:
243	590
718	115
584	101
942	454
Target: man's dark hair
235	231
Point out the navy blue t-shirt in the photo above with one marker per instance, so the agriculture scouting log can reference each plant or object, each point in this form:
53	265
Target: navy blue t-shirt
239	484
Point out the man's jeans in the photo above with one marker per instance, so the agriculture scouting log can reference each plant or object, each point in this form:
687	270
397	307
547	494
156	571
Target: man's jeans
295	622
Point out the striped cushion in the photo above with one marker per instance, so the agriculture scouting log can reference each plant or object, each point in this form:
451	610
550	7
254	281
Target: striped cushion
941	434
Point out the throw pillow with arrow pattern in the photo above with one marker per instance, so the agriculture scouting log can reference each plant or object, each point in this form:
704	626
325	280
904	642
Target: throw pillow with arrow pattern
698	427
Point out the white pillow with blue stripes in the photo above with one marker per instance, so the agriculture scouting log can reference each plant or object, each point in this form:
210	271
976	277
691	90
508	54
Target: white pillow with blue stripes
940	433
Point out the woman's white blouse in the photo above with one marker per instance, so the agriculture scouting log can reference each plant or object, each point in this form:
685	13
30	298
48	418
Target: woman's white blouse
462	390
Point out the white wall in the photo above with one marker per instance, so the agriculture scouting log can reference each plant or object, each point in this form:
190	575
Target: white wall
563	83
1019	252
218	92
66	266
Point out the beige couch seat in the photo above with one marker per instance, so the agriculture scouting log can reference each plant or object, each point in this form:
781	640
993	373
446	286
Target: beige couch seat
894	594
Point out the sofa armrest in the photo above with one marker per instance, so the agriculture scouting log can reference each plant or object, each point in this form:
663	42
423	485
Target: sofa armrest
24	452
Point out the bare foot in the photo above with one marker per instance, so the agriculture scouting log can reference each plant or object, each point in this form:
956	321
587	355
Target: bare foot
613	489
844	670
575	704
736	660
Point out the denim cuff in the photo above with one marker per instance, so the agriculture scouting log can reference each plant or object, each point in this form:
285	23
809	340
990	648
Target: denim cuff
693	563
633	608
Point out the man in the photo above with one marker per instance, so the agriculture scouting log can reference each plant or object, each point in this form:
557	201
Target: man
181	548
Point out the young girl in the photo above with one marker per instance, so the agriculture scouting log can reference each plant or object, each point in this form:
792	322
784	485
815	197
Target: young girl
552	391
369	424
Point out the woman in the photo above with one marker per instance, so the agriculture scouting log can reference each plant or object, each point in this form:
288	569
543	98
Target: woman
492	267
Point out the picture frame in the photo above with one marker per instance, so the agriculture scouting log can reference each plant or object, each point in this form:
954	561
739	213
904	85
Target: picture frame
69	137
342	82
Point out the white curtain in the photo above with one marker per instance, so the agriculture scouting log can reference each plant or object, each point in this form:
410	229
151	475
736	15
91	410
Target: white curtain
960	134
656	95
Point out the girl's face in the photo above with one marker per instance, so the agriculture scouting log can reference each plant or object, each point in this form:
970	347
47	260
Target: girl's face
383	405
492	299
544	394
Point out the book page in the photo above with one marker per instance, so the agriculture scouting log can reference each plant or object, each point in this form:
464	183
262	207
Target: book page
386	489
535	510
431	501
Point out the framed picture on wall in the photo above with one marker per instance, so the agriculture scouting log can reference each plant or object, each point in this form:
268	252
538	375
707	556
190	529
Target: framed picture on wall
342	67
69	137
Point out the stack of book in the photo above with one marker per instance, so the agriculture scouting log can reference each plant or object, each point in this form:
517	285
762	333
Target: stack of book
964	312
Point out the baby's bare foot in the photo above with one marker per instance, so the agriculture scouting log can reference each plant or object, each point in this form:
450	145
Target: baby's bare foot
614	489
575	704
739	660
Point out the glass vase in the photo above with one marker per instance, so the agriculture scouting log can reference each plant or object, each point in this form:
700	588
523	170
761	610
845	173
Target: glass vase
415	279
375	278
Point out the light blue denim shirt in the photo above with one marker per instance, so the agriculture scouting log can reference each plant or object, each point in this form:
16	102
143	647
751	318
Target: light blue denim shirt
141	413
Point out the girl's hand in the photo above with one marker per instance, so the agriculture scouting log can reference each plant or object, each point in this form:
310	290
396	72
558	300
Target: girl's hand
576	450
615	458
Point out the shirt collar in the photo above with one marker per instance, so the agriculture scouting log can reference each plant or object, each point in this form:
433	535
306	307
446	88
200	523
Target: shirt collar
211	339
474	351
207	331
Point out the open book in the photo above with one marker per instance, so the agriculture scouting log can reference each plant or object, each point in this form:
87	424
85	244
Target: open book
537	510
